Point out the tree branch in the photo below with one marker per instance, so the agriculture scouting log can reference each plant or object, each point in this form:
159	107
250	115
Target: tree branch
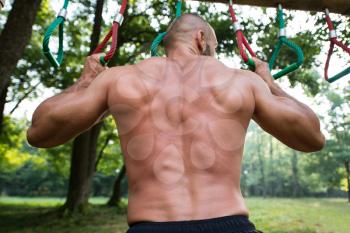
100	154
24	97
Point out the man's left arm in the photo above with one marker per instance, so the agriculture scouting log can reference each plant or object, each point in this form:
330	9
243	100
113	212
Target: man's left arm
66	115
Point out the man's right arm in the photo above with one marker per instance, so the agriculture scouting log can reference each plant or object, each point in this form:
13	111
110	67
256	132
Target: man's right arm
284	117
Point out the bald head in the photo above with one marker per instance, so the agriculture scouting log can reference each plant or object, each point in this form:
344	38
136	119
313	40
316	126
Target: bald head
191	29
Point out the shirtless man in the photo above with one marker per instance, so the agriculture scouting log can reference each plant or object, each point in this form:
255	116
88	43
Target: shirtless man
182	121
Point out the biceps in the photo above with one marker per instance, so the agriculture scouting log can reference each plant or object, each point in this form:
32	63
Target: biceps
80	112
89	106
87	110
277	116
287	123
274	115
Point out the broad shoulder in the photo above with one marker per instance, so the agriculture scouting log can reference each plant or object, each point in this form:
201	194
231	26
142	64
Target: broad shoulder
111	75
158	61
252	80
215	69
153	65
213	62
238	77
117	71
131	73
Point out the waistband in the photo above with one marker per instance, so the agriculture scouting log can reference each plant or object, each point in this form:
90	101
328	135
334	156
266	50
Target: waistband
226	224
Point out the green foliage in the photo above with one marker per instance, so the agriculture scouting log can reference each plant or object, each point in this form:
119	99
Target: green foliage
268	170
336	153
140	27
12	143
28	171
112	155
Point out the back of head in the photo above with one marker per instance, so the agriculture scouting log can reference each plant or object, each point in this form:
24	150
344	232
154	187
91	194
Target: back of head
184	28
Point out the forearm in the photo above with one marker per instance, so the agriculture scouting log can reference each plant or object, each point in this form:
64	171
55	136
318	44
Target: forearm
277	91
292	122
307	124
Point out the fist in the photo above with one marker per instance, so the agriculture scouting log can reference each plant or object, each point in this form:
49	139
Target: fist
262	69
92	68
92	64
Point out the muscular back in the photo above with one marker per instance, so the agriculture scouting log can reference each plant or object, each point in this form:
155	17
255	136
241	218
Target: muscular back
182	121
182	130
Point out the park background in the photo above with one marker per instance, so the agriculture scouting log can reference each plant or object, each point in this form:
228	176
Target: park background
82	187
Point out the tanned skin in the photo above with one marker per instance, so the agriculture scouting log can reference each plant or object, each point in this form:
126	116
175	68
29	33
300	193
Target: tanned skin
182	122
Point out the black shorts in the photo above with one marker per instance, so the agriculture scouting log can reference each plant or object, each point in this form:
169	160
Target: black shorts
226	224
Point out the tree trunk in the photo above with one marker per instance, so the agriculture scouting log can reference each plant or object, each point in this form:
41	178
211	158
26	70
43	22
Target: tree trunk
84	147
347	168
279	191
261	166
82	170
271	184
100	154
96	31
13	40
295	177
114	199
3	96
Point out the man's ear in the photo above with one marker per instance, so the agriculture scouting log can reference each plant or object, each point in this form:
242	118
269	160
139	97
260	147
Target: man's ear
200	39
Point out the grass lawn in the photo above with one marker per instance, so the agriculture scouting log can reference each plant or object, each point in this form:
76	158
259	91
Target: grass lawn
307	215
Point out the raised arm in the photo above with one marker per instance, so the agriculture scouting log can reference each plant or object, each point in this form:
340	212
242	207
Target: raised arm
284	117
64	116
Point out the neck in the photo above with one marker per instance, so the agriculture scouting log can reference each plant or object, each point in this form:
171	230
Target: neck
182	52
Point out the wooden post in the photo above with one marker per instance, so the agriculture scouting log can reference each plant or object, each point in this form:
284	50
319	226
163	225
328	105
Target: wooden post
335	6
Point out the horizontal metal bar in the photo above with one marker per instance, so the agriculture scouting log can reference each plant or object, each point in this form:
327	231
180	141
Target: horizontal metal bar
334	6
